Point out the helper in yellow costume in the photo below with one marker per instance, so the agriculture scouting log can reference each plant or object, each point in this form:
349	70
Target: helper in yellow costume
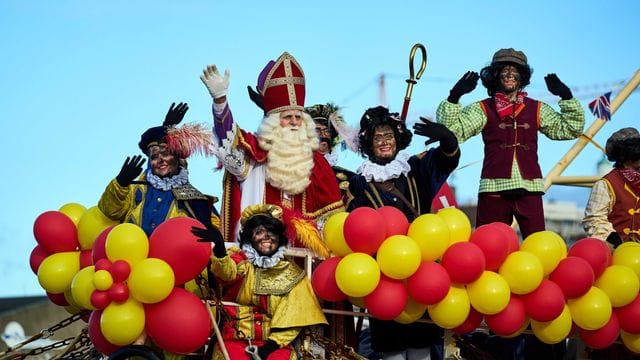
164	190
274	297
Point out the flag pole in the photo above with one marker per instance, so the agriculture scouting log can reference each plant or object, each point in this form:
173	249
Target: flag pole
591	132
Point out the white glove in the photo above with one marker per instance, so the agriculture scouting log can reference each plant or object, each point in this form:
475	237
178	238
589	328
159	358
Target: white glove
216	84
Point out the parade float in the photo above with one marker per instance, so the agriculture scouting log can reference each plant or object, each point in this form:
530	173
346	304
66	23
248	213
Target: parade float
131	289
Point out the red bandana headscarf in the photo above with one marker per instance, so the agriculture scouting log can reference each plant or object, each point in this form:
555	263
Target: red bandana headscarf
632	177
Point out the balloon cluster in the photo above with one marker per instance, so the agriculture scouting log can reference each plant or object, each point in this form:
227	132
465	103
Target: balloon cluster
86	262
437	265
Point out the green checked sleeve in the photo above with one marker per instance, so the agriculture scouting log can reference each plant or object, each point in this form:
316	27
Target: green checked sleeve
464	122
564	125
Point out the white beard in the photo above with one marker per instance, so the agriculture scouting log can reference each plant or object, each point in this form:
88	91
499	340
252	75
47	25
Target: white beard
290	153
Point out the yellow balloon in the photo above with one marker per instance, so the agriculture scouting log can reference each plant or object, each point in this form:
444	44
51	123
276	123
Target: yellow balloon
458	223
102	280
127	242
91	224
151	280
398	257
357	274
74	211
122	323
431	234
620	284
57	271
628	254
333	235
631	341
628	243
71	309
592	310
548	246
451	311
72	302
82	287
554	331
522	271
412	312
490	294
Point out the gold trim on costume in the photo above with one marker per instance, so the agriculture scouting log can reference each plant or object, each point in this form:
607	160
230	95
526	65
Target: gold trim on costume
250	211
188	192
277	280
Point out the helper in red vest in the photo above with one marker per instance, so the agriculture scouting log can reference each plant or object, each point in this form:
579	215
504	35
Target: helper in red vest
613	210
511	183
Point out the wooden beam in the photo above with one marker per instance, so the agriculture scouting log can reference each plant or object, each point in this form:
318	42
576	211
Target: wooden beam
582	141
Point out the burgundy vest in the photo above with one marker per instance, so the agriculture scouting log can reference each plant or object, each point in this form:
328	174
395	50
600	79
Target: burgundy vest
516	135
625	215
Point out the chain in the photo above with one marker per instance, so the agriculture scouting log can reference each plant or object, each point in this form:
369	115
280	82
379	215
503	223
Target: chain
44	334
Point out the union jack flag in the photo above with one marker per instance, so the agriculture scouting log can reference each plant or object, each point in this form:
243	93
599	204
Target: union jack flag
601	107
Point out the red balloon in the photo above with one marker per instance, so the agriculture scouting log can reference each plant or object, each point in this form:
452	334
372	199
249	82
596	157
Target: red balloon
629	316
98	250
512	236
494	243
509	320
173	242
546	302
395	220
471	323
103	264
120	270
97	338
85	258
119	292
595	251
58	299
56	232
429	284
324	282
364	230
179	323
603	337
574	276
464	262
38	254
388	299
100	299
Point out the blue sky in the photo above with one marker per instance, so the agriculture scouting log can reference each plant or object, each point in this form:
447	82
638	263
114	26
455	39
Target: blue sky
81	80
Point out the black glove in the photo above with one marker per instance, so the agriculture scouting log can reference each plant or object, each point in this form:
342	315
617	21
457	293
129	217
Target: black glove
213	235
436	132
465	85
175	115
557	87
131	168
614	239
267	348
255	97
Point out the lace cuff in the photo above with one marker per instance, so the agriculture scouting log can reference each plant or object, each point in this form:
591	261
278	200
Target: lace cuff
232	157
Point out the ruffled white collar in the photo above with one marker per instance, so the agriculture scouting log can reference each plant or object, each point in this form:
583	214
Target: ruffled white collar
165	184
261	261
392	170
